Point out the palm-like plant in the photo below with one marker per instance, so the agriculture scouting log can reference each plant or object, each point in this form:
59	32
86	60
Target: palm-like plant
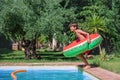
95	24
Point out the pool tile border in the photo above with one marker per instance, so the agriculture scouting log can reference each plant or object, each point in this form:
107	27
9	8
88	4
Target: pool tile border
103	74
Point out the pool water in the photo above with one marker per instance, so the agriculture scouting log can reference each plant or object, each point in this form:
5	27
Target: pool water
46	73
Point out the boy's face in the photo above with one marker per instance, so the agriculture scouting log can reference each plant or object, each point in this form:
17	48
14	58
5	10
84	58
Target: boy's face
72	28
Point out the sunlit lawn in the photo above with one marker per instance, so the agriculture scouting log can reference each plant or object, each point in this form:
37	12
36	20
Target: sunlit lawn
46	56
112	64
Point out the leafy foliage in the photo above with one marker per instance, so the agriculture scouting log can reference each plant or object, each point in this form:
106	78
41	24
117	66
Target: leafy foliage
44	18
33	18
95	24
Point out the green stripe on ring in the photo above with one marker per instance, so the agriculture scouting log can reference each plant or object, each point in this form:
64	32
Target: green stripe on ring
79	49
76	50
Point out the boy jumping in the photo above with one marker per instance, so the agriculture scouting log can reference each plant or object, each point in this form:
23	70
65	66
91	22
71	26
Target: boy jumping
80	35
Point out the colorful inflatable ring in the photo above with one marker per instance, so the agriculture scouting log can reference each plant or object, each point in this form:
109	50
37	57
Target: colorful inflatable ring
78	47
17	71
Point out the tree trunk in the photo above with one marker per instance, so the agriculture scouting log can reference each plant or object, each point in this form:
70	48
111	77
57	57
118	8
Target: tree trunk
100	49
54	44
27	53
30	48
60	47
33	49
25	44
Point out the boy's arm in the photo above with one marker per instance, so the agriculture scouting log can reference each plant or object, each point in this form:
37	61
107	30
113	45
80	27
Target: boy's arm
85	33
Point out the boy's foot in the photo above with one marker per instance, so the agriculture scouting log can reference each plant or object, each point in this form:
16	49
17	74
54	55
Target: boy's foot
87	67
89	56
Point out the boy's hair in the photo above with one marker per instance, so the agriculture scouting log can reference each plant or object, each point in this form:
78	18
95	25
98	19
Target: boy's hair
73	24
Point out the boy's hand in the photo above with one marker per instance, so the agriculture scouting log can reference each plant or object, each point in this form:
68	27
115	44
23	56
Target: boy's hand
89	41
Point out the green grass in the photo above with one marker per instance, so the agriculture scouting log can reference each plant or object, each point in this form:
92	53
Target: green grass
112	63
46	56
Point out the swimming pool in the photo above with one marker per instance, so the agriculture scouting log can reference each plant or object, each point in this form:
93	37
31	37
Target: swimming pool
45	73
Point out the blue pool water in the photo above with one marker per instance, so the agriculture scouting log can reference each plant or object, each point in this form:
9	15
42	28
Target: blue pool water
46	73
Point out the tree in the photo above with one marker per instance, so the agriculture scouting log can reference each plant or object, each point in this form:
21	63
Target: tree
26	20
113	24
95	24
17	23
94	21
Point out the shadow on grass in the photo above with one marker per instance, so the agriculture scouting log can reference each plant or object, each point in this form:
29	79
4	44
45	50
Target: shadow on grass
7	54
5	51
55	56
92	66
13	58
46	55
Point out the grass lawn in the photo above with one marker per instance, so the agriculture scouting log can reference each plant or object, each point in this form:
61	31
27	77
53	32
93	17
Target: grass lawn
113	64
46	56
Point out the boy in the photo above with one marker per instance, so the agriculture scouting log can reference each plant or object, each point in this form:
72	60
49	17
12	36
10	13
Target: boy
80	35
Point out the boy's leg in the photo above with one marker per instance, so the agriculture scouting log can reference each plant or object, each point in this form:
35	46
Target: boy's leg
84	60
87	54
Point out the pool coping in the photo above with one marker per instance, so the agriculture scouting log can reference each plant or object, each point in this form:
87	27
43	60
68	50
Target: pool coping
98	72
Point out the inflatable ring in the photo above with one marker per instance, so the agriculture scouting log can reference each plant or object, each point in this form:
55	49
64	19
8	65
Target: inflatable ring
78	47
17	71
